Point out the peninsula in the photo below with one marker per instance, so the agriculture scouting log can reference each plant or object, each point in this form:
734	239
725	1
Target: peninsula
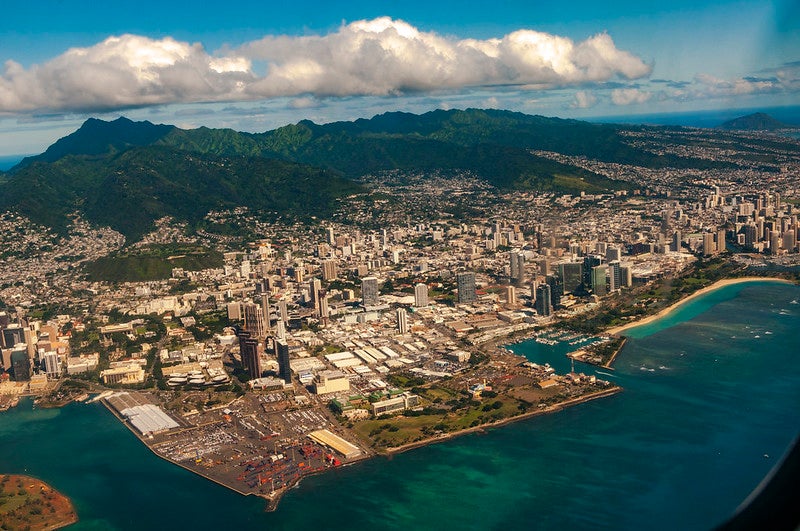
28	503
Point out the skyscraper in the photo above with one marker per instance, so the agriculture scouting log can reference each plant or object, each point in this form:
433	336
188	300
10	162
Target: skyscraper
369	291
282	353
556	290
517	264
402	320
466	287
543	305
421	295
248	349
614	275
599	280
572	274
254	319
328	270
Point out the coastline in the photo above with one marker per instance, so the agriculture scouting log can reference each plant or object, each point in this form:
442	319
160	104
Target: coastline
617	330
529	414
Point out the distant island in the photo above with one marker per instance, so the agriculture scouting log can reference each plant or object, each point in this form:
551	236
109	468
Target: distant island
754	122
29	503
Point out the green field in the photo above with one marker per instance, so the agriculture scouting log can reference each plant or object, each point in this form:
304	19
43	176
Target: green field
154	262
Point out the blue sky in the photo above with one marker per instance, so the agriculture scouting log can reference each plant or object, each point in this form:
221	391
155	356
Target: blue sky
254	65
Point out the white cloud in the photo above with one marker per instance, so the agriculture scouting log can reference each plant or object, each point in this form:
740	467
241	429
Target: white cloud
583	100
628	96
369	57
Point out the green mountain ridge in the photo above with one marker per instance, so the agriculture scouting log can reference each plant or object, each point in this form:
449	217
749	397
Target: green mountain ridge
126	174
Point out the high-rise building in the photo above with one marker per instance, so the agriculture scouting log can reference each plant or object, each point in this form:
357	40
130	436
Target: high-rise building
466	287
248	350
511	295
21	364
590	262
328	270
556	289
721	247
517	264
282	353
331	237
421	295
52	364
599	280
543	304
402	320
254	319
314	286
284	311
572	275
12	335
369	291
676	242
614	276
709	246
613	253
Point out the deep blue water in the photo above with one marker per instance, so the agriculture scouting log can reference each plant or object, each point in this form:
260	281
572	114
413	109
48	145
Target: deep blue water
789	115
708	393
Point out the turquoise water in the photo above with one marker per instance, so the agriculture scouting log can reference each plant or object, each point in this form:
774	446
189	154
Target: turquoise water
705	399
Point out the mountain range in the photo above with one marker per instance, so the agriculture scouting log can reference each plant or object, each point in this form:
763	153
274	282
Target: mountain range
754	122
126	174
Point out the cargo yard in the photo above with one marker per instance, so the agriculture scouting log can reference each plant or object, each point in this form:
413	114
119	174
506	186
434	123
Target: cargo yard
252	445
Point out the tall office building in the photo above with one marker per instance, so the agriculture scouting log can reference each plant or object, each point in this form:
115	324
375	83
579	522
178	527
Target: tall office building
12	335
282	353
314	286
254	319
517	263
421	295
466	287
265	312
543	304
556	289
589	263
614	276
369	291
284	311
328	270
613	253
21	363
511	295
331	237
52	364
676	242
572	275
402	320
599	280
248	350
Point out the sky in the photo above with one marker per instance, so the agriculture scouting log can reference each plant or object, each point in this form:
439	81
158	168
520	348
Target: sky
257	65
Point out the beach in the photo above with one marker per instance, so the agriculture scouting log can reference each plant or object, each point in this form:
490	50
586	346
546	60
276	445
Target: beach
617	330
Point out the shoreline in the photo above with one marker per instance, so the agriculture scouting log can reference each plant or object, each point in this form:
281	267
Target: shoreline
475	429
617	330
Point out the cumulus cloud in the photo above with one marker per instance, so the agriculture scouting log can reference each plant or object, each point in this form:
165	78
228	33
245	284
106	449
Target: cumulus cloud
369	57
583	100
629	96
123	71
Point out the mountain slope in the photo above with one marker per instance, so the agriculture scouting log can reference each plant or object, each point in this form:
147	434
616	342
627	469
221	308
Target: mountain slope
754	122
128	191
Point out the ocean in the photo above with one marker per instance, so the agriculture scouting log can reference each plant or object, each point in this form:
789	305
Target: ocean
709	407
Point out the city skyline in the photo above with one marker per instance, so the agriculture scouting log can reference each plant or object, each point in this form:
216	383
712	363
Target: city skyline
254	70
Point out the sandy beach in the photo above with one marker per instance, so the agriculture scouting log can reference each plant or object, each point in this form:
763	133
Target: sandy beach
617	330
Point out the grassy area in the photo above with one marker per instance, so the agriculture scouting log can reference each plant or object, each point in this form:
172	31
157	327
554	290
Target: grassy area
396	431
27	503
154	262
